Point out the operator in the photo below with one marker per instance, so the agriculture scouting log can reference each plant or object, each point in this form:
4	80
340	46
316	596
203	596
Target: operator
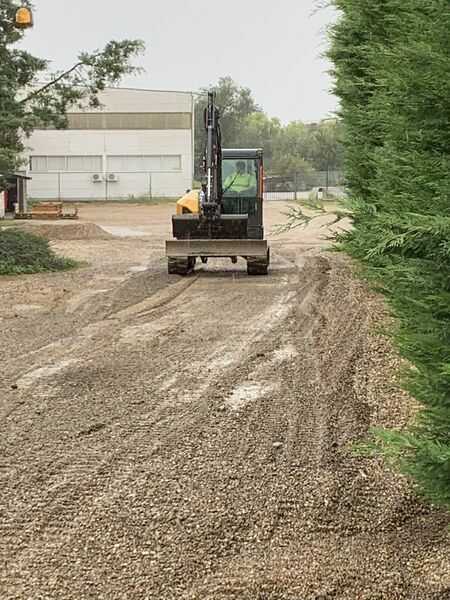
240	182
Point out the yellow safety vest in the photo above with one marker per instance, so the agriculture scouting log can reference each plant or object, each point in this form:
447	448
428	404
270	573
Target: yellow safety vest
239	182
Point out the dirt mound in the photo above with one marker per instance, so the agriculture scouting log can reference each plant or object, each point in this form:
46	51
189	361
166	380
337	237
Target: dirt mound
68	231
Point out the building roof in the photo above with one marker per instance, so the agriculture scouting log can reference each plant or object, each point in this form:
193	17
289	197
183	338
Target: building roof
19	176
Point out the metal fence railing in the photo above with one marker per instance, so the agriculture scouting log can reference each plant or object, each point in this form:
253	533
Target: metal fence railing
289	186
146	185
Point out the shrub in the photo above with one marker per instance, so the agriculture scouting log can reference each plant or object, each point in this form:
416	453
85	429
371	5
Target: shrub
22	252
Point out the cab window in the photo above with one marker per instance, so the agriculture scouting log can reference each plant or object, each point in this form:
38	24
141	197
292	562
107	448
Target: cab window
239	178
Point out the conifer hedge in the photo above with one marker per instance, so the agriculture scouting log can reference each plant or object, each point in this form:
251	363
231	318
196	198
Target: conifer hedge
391	66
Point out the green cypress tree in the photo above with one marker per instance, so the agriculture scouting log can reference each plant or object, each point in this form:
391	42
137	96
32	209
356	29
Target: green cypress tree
391	67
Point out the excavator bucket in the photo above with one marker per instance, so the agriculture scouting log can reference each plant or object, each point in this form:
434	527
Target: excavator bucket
216	248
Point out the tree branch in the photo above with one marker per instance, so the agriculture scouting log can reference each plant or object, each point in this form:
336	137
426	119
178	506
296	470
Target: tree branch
50	83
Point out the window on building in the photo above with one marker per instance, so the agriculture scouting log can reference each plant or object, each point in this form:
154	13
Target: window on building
84	163
134	163
153	163
171	163
38	163
115	163
146	164
58	164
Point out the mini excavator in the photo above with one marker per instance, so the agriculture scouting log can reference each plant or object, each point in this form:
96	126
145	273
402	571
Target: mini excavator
224	219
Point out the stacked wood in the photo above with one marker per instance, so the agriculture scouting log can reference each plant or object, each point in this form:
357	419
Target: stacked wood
46	210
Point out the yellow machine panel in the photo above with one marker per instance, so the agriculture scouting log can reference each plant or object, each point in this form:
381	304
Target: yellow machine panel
188	203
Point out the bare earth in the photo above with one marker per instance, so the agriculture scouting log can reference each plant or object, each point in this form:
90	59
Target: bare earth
188	438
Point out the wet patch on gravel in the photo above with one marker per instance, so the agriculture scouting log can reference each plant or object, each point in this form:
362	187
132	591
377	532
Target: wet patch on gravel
34	376
124	231
246	394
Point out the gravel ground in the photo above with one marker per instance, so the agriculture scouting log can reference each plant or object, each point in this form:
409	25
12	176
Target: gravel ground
188	438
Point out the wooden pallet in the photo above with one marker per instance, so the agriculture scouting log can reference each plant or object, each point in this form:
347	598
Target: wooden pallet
48	211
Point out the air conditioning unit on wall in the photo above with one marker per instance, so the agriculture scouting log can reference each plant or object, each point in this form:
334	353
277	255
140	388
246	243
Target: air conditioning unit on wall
112	177
97	177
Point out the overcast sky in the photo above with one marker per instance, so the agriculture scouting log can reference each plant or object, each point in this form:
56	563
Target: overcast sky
272	47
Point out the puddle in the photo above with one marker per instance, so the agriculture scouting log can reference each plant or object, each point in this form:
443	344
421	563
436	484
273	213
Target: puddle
124	231
243	395
26	307
138	268
42	372
227	359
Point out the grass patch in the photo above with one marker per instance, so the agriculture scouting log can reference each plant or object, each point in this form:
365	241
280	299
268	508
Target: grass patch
131	200
8	223
22	252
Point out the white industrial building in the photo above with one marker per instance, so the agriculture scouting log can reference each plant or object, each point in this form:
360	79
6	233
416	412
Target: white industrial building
140	143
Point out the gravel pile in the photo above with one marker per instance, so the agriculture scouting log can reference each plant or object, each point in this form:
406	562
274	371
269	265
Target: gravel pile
68	231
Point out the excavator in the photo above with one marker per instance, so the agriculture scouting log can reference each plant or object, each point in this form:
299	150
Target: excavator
224	219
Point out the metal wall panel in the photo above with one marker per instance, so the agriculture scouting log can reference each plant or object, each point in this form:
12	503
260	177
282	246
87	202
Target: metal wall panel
130	121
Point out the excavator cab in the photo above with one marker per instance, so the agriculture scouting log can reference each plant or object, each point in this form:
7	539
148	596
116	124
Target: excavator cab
242	188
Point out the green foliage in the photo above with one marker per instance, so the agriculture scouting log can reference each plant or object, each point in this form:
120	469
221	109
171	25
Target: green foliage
22	252
327	151
236	105
300	148
391	68
260	131
26	105
293	148
289	163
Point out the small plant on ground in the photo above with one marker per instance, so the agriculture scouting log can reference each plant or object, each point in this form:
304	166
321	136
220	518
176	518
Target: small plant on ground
22	253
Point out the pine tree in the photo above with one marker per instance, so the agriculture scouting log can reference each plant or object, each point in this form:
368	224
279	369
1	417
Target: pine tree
25	104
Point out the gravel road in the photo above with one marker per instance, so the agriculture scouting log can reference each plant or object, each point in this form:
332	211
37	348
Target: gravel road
187	438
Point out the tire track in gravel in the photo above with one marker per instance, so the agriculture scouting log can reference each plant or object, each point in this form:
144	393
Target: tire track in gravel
83	471
199	448
133	427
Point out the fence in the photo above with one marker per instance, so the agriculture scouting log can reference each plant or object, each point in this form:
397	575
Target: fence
132	185
295	186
